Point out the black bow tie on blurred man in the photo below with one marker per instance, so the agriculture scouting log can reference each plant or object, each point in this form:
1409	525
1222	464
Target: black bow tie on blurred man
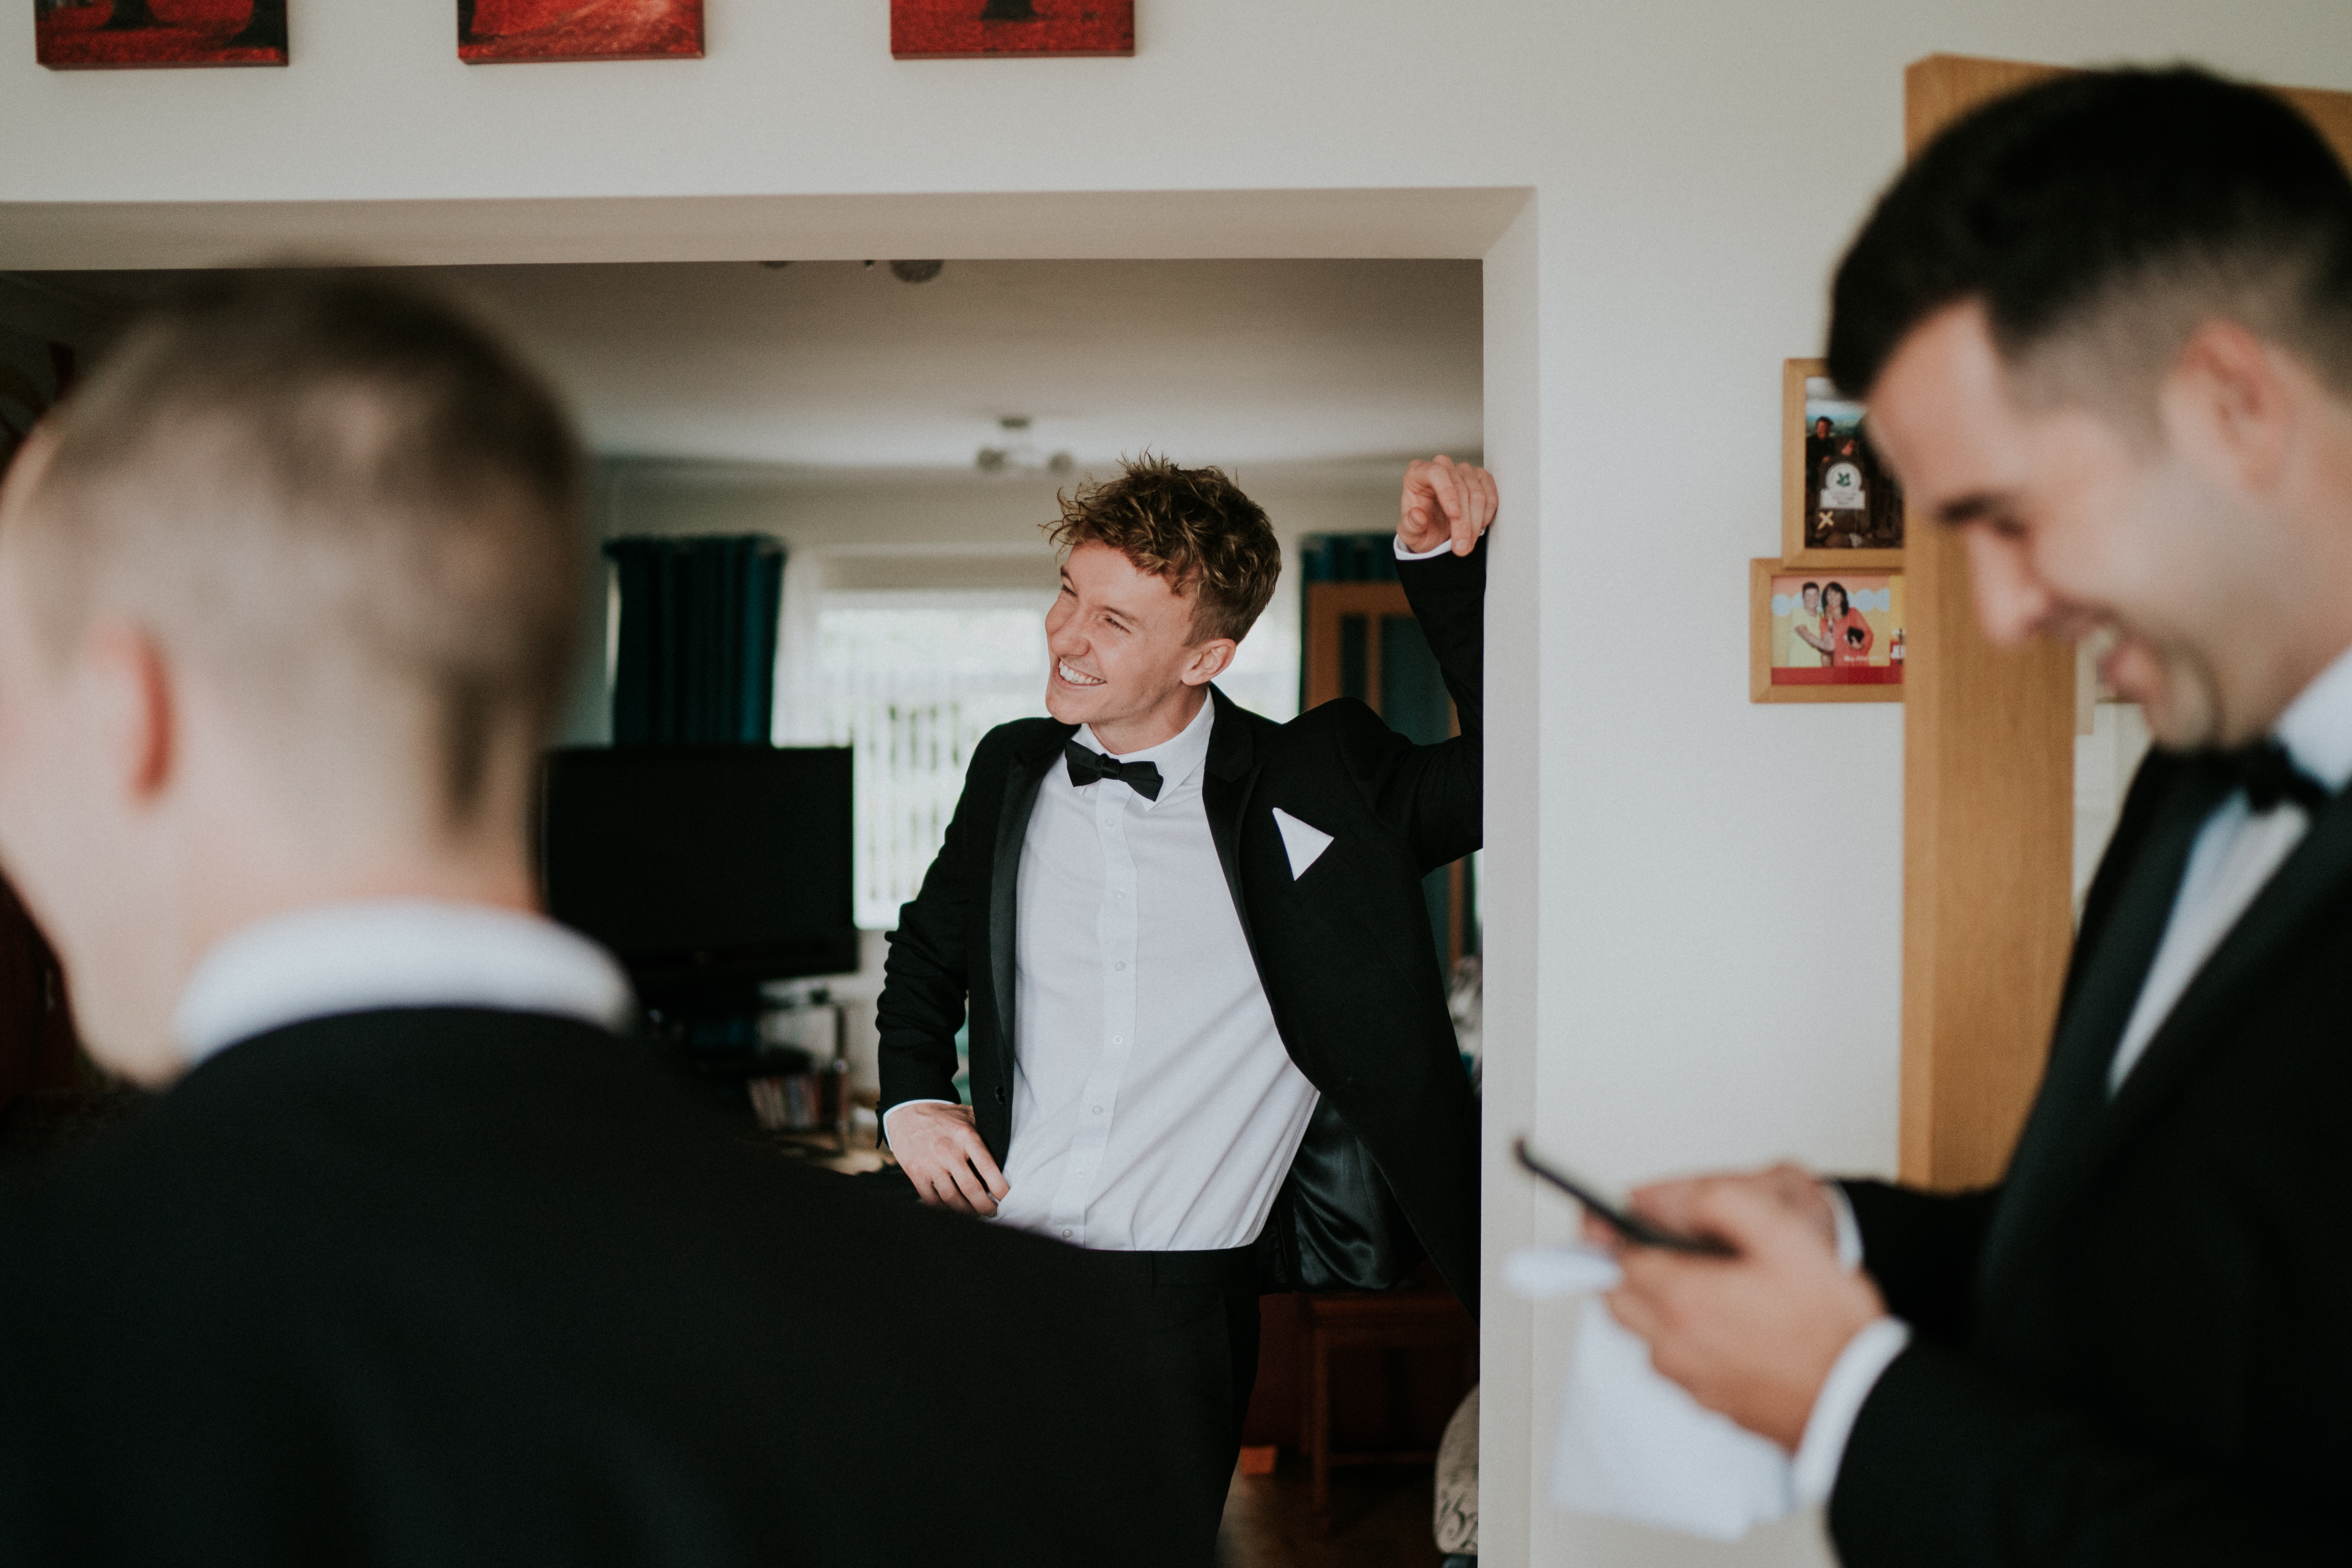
2269	777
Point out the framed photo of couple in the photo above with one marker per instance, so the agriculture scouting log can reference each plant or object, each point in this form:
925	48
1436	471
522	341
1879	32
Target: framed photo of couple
1818	635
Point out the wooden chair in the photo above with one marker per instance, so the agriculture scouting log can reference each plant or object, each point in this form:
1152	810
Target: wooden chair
1422	1317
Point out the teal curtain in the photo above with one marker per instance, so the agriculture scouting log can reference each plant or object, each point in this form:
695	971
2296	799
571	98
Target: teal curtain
696	661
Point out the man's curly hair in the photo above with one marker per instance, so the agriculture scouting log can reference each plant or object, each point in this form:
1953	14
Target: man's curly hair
1193	527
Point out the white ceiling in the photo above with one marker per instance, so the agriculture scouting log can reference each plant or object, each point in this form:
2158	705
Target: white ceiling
837	365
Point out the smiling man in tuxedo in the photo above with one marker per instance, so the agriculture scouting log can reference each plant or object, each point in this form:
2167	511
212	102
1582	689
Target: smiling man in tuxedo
1209	1038
2105	331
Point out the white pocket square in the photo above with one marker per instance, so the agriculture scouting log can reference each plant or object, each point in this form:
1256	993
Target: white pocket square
1303	843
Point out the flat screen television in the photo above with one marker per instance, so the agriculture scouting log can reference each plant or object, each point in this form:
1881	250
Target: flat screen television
704	869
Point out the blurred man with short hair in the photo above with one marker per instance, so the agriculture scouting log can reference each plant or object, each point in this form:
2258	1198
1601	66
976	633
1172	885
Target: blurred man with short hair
417	1258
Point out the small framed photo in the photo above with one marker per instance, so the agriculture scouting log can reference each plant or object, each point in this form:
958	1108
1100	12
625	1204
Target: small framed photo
1838	506
494	30
1816	636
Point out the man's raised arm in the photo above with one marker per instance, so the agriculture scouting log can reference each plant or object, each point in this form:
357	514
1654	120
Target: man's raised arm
1435	794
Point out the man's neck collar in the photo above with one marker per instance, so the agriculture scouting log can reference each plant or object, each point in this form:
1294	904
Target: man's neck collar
2316	728
1134	751
364	955
1179	756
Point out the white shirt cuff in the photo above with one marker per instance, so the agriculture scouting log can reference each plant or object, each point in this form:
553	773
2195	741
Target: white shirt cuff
901	1106
1838	1405
1404	554
1849	1230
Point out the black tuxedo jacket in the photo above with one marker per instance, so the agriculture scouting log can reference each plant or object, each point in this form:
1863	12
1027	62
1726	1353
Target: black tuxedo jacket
449	1287
1344	951
2138	1349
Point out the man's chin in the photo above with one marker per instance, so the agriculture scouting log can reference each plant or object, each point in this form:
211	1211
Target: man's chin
2179	718
1068	707
2176	703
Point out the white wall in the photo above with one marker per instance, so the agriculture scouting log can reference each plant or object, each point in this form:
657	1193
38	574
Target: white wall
1695	166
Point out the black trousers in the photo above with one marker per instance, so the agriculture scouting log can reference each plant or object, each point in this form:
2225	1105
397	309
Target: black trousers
1191	1322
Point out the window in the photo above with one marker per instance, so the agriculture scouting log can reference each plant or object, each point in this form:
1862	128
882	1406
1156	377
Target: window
912	680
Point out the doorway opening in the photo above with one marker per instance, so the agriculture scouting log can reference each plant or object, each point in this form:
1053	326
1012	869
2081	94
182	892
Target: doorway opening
903	431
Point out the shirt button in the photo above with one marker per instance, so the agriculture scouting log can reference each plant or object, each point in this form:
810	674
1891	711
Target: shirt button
1119	966
1065	1236
1097	1111
1118	1039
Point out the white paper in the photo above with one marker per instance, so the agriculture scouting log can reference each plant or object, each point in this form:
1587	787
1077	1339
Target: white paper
1632	1445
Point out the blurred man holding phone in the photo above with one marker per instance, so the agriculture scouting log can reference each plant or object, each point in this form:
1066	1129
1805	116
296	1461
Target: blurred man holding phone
2104	329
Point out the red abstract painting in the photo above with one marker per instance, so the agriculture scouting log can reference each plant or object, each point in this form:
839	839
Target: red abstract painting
578	30
947	29
130	33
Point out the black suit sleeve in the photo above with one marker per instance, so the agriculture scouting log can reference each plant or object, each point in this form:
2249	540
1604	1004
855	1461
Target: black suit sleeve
926	977
1921	1249
1434	796
18	1422
1952	1466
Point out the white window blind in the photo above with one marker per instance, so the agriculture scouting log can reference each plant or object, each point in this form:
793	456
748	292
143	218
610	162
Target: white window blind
912	680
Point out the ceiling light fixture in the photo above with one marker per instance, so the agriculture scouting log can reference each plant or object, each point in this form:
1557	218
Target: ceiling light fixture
1021	454
915	271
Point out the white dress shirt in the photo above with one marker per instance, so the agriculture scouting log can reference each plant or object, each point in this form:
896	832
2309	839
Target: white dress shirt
1154	1108
360	956
2236	854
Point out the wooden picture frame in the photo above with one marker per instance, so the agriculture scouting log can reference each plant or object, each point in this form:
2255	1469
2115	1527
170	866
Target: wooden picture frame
1797	486
1874	596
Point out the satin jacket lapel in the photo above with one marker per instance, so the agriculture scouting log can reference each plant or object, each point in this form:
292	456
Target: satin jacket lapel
1225	781
2317	873
1020	782
2103	985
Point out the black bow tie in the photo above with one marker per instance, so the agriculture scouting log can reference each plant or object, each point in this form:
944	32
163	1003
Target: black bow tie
2269	777
1087	767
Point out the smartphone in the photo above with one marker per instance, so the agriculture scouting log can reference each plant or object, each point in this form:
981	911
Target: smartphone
1631	1227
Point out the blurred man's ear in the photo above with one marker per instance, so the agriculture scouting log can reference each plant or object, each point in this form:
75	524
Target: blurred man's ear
2230	401
133	705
